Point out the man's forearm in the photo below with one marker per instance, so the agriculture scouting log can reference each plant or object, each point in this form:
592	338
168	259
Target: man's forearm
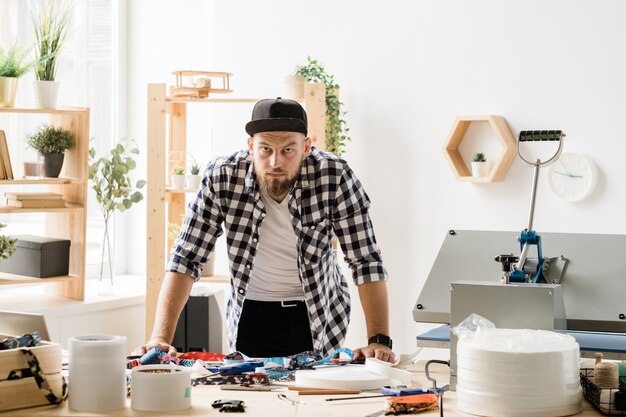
373	297
172	298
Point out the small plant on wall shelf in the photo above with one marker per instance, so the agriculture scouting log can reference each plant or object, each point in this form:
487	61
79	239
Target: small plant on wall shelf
336	128
479	165
479	157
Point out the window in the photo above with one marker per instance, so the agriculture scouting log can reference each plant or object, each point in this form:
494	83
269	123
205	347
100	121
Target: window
90	75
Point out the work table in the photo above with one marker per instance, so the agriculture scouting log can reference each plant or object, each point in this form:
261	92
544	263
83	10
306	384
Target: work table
262	404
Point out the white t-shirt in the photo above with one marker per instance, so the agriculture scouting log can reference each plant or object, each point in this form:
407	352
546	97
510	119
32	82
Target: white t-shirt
275	275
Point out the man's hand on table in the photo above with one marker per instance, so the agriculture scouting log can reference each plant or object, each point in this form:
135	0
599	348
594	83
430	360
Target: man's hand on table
155	343
375	350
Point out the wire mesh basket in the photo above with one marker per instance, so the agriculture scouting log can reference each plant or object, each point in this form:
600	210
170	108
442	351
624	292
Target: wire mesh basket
609	401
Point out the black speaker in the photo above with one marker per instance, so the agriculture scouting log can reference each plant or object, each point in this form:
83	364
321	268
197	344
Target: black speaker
199	327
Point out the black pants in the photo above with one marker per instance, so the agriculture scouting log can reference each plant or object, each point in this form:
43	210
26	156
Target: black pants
272	328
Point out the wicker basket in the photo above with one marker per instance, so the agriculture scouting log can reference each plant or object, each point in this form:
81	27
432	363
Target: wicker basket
601	398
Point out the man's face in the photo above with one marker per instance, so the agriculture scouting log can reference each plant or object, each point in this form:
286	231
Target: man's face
278	157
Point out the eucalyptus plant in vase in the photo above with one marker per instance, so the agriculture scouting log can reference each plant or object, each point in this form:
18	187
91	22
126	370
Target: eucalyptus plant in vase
51	25
110	180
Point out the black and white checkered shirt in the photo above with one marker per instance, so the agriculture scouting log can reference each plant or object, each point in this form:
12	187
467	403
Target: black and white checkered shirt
326	201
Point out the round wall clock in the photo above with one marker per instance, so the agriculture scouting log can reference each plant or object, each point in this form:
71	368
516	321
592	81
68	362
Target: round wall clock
573	176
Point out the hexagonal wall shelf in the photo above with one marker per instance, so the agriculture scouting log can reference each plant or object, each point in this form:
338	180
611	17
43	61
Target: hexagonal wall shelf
505	138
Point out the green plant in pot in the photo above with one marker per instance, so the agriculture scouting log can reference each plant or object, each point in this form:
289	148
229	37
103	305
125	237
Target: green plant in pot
7	245
51	142
479	165
178	178
336	128
51	25
13	65
112	184
193	178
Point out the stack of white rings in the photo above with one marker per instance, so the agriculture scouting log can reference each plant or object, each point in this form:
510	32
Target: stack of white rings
520	373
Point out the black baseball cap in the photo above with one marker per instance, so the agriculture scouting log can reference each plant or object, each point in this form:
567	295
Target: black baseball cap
277	114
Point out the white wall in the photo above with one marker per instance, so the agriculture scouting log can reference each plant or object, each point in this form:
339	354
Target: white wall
407	69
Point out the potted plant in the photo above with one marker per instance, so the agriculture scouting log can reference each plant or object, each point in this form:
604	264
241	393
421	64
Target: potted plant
178	178
194	177
13	65
479	165
110	180
7	245
50	35
51	142
336	129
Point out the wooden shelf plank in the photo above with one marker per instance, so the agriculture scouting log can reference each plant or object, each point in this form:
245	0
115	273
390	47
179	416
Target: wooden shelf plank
69	207
60	110
41	181
173	99
216	279
11	279
181	190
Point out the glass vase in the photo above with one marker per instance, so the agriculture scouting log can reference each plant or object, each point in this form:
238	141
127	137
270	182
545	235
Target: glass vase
106	269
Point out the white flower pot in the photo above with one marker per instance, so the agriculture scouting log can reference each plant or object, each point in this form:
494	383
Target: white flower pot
193	181
294	87
480	169
46	93
178	181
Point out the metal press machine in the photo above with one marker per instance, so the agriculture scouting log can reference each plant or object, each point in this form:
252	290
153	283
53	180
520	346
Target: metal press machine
581	289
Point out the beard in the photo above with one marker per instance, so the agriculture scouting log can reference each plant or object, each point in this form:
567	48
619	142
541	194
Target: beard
277	188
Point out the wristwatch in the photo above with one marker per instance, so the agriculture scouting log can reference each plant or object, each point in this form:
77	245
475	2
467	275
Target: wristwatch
381	339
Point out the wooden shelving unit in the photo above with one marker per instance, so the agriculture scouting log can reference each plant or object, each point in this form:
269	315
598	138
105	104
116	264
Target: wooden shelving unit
502	133
64	223
165	204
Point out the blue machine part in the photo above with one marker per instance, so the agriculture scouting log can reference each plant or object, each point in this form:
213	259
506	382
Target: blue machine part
529	237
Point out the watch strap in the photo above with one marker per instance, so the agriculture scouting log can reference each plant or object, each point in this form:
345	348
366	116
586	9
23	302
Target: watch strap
381	339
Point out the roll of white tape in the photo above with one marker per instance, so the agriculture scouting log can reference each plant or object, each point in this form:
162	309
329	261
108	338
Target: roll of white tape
97	373
160	388
378	367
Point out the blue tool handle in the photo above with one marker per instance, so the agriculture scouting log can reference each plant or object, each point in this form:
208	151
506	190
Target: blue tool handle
239	368
399	392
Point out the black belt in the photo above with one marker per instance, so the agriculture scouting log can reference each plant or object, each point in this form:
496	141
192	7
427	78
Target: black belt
270	304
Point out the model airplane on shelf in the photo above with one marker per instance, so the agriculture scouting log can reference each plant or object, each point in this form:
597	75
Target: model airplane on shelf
198	84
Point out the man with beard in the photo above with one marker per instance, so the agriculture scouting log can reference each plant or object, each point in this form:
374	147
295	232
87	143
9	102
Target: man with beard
281	203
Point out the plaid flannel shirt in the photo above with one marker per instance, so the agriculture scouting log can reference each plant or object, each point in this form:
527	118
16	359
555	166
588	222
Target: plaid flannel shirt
326	201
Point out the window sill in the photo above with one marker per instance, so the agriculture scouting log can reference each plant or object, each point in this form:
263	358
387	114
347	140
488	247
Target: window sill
130	290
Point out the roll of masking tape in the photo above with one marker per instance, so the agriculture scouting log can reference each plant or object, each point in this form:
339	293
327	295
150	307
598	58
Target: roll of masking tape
160	388
97	373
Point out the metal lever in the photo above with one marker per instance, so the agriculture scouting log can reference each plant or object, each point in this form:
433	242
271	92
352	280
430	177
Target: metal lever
536	136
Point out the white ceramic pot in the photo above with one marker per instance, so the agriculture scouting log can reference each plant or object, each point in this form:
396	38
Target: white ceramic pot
178	181
193	181
294	87
480	169
46	93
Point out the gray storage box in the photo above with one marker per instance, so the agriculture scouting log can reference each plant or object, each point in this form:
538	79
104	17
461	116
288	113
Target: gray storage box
38	256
